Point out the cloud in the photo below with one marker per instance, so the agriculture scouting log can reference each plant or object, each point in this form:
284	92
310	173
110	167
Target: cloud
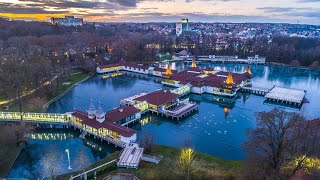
293	11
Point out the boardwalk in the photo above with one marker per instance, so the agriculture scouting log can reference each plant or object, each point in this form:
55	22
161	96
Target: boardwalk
181	110
49	118
256	90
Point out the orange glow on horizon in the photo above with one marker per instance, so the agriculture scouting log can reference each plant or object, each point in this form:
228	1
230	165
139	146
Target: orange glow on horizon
39	17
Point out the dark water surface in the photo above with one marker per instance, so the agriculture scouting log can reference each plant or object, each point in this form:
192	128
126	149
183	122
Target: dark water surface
218	128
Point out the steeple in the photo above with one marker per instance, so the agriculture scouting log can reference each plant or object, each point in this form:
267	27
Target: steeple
100	115
230	79
248	70
193	64
91	110
168	71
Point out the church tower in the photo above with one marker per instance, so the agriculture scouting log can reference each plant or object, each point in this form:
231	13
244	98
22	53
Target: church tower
100	115
230	79
193	64
248	70
168	71
91	111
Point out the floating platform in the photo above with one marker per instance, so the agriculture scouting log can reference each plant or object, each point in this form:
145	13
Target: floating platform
286	95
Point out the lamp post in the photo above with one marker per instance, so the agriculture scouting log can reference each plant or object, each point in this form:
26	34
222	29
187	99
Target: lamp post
67	151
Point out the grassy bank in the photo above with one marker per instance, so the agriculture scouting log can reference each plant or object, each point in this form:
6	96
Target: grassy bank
73	79
205	166
35	102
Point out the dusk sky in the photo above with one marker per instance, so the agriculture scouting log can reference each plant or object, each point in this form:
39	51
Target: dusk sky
290	11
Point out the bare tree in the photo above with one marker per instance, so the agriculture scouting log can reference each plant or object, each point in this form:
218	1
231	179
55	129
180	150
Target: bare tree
279	139
147	142
186	159
50	161
82	160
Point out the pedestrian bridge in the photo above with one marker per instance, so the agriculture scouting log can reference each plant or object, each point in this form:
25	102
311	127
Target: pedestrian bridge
49	118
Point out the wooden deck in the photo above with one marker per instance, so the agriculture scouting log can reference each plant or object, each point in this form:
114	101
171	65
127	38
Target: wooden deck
181	110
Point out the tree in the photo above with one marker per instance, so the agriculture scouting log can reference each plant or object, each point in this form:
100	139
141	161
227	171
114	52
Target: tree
147	142
82	160
50	160
186	159
279	139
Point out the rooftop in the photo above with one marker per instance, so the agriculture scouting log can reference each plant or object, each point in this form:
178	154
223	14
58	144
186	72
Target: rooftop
109	123
158	97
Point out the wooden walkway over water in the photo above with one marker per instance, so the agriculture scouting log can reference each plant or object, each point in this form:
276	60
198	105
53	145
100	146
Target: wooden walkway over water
256	90
181	110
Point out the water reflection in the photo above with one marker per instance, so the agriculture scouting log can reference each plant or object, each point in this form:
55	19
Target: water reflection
219	126
31	163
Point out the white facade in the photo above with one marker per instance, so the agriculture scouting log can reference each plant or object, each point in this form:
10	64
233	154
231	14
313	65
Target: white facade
256	60
178	28
128	140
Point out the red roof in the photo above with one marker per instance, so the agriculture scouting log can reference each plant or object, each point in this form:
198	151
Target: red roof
212	80
109	123
158	97
139	66
109	66
120	113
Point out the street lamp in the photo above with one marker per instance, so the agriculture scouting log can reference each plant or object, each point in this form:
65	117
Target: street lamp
67	151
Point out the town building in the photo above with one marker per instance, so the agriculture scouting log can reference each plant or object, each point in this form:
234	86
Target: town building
209	81
185	25
67	21
256	60
109	125
136	68
178	28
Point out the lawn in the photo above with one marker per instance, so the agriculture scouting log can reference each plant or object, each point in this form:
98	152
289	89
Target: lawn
33	103
205	166
74	78
164	57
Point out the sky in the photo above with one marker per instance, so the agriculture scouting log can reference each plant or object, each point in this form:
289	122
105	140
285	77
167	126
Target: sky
275	11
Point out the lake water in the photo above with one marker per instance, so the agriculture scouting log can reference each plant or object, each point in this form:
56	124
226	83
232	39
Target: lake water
218	128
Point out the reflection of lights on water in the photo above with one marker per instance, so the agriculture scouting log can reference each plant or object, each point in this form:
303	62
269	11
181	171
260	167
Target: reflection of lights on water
94	146
52	136
144	121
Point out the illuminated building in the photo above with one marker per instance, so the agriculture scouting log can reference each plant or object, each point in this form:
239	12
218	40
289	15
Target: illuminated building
67	21
168	71
193	64
109	125
209	81
185	25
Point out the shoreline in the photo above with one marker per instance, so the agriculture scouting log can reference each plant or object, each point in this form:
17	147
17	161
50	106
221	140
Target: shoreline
47	104
207	165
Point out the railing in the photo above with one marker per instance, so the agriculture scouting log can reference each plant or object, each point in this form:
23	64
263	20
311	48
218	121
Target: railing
93	169
106	138
34	117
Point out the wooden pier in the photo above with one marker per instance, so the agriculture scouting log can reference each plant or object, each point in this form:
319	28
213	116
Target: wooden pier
181	110
279	94
256	90
286	95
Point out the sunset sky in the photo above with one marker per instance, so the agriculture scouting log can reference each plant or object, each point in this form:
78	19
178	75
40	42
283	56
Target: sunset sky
291	11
